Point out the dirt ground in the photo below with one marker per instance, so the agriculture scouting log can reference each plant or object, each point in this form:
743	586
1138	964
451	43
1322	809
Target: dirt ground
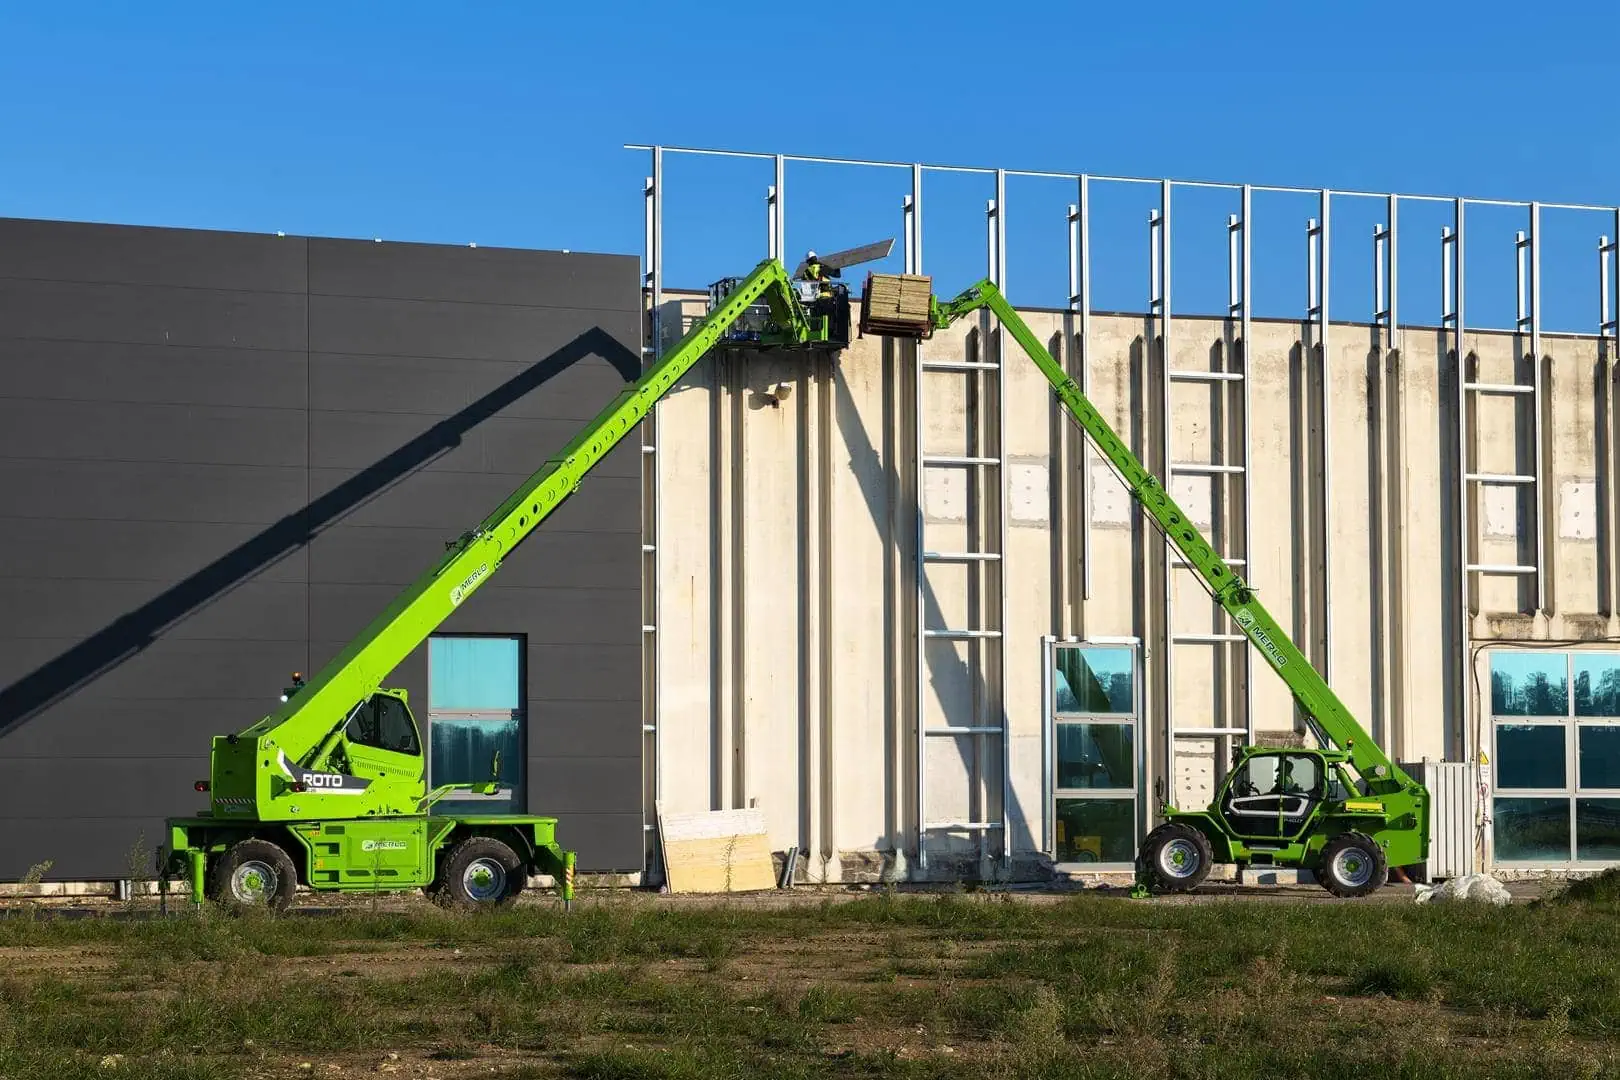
1230	982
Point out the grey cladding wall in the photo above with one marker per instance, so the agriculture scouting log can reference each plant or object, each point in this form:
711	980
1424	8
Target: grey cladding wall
221	454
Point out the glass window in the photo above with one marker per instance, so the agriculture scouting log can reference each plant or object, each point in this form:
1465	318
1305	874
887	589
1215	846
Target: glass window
1597	684
1094	679
1597	829
1580	761
473	673
1600	756
1300	776
1278	774
1096	830
462	752
1530	755
385	724
1532	830
1526	682
1096	756
475	698
394	726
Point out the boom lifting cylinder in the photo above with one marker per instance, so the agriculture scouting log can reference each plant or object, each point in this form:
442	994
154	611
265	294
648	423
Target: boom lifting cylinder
1346	811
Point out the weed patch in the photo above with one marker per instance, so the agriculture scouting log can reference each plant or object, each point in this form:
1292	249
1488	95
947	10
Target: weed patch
956	985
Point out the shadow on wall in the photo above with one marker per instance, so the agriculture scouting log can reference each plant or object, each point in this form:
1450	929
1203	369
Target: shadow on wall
867	466
133	632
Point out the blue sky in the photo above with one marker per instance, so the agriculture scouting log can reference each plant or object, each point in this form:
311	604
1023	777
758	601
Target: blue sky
503	123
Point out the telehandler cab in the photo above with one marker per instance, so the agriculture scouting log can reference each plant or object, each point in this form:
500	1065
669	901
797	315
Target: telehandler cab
1344	811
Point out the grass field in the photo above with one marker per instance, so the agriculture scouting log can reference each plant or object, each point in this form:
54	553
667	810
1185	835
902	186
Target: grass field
948	986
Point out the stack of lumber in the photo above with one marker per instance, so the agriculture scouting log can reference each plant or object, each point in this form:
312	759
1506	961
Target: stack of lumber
896	305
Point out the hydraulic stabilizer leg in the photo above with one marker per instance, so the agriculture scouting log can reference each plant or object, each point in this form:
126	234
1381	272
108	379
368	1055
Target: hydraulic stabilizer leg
197	863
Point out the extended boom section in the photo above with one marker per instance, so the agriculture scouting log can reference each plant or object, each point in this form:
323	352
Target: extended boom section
1346	811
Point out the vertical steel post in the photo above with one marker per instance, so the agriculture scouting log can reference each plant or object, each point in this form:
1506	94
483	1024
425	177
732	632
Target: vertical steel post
1327	437
914	236
992	340
1000	570
779	211
652	193
1235	225
1454	316
772	248
1321	255
914	261
1393	247
1604	322
906	212
1159	307
920	682
1080	302
1380	301
1608	345
1536	421
1246	298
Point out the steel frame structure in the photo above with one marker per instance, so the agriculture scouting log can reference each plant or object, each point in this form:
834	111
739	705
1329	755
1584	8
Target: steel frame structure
1384	315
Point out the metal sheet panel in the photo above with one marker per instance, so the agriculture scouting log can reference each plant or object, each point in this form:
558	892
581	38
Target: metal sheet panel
158	505
1452	849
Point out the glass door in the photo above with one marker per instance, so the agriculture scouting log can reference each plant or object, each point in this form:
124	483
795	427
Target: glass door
1096	759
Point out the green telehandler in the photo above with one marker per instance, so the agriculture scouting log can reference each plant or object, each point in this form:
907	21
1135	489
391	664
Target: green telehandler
329	790
1343	810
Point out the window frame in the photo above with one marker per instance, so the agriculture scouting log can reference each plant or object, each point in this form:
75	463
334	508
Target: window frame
1572	725
505	800
1055	719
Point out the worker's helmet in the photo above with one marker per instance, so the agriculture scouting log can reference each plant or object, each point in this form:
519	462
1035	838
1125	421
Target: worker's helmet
809	256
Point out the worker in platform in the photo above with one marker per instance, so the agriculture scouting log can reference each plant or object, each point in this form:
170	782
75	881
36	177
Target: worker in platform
814	271
826	302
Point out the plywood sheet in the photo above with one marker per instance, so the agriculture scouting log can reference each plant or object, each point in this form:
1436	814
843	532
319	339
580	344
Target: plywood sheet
716	851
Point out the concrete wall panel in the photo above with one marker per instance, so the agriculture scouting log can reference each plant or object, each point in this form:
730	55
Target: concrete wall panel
1370	509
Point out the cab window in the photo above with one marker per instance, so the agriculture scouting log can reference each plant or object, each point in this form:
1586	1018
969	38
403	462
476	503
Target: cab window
1278	774
384	723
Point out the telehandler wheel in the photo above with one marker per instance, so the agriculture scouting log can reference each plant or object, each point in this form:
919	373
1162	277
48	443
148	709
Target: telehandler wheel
1175	858
1352	865
253	874
479	873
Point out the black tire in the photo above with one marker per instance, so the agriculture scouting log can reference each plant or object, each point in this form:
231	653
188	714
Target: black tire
1352	865
253	874
479	873
1174	858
